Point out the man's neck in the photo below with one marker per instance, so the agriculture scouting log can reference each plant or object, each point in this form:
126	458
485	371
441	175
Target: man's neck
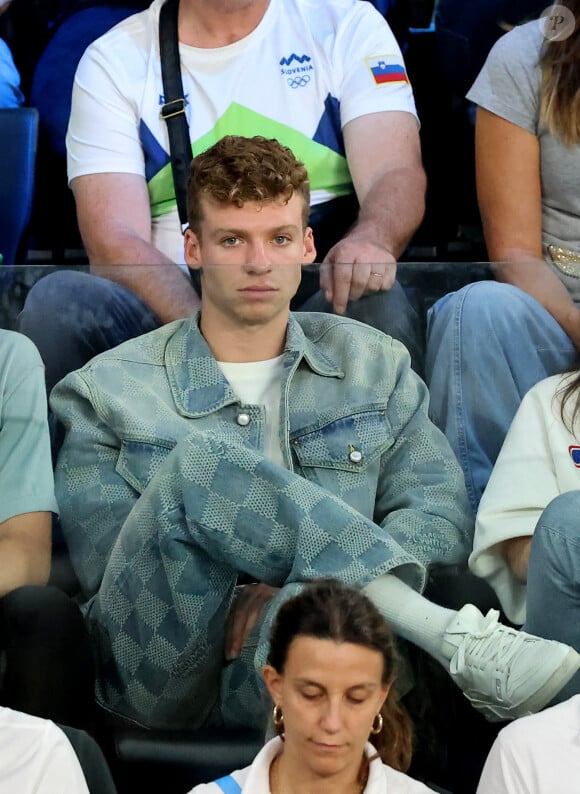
244	345
217	23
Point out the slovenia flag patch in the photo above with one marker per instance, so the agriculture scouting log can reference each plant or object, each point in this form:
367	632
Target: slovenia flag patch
387	69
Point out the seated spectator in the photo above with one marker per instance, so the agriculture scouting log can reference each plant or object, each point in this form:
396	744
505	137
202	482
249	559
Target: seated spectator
536	754
10	94
46	662
331	675
37	757
332	104
526	540
76	25
248	440
26	478
491	341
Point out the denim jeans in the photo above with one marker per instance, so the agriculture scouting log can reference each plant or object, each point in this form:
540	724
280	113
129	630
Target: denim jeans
214	509
72	316
553	586
487	345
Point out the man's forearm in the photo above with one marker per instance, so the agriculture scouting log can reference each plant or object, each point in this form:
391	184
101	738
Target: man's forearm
165	288
393	208
126	255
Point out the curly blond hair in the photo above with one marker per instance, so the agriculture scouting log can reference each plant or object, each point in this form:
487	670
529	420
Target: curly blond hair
236	170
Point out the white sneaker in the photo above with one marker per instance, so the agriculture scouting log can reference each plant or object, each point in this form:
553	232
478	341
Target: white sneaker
503	672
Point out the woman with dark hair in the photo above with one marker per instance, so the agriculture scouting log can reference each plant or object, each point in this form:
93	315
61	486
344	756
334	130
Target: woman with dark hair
527	151
330	674
527	534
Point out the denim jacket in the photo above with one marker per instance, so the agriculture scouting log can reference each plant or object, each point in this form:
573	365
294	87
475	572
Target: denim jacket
353	420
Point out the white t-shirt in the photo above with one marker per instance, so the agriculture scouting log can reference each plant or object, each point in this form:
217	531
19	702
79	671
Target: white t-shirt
539	754
260	383
539	460
255	779
300	76
36	757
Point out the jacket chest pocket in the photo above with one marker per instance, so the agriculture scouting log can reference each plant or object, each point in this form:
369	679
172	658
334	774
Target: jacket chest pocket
344	456
139	460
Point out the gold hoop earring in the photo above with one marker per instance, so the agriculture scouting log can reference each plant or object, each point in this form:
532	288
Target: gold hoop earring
377	724
278	717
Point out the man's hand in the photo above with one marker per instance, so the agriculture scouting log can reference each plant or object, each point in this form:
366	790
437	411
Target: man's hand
244	614
390	187
354	266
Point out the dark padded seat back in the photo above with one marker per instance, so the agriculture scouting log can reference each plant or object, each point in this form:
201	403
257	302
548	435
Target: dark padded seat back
18	139
175	761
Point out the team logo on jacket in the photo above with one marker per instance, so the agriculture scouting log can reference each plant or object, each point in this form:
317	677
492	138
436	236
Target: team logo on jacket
575	455
296	69
387	69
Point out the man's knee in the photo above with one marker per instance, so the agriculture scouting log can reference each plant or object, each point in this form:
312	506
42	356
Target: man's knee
54	291
61	303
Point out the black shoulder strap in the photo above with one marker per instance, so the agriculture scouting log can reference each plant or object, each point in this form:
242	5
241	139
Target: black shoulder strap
173	111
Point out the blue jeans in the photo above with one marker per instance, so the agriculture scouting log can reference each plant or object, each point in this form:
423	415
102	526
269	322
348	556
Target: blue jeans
553	587
487	345
71	316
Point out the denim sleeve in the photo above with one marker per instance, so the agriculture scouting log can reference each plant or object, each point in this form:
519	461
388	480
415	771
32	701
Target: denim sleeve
94	499
421	497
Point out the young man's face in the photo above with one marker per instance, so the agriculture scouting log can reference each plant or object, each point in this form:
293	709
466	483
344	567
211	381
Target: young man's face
251	258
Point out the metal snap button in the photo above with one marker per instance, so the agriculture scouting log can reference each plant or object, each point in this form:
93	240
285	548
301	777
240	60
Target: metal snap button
355	456
243	419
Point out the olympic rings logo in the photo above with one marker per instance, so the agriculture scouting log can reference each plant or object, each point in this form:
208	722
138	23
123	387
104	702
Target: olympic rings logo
299	82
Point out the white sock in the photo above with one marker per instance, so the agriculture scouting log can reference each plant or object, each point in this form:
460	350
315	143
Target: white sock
412	616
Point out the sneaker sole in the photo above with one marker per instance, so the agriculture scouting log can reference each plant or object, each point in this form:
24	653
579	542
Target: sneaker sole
537	701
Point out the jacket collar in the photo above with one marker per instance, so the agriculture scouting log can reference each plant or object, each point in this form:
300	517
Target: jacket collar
197	383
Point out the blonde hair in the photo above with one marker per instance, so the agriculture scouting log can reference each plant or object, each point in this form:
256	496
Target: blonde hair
560	99
236	170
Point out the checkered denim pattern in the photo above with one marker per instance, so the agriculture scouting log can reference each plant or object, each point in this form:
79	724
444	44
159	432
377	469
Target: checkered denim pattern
164	499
